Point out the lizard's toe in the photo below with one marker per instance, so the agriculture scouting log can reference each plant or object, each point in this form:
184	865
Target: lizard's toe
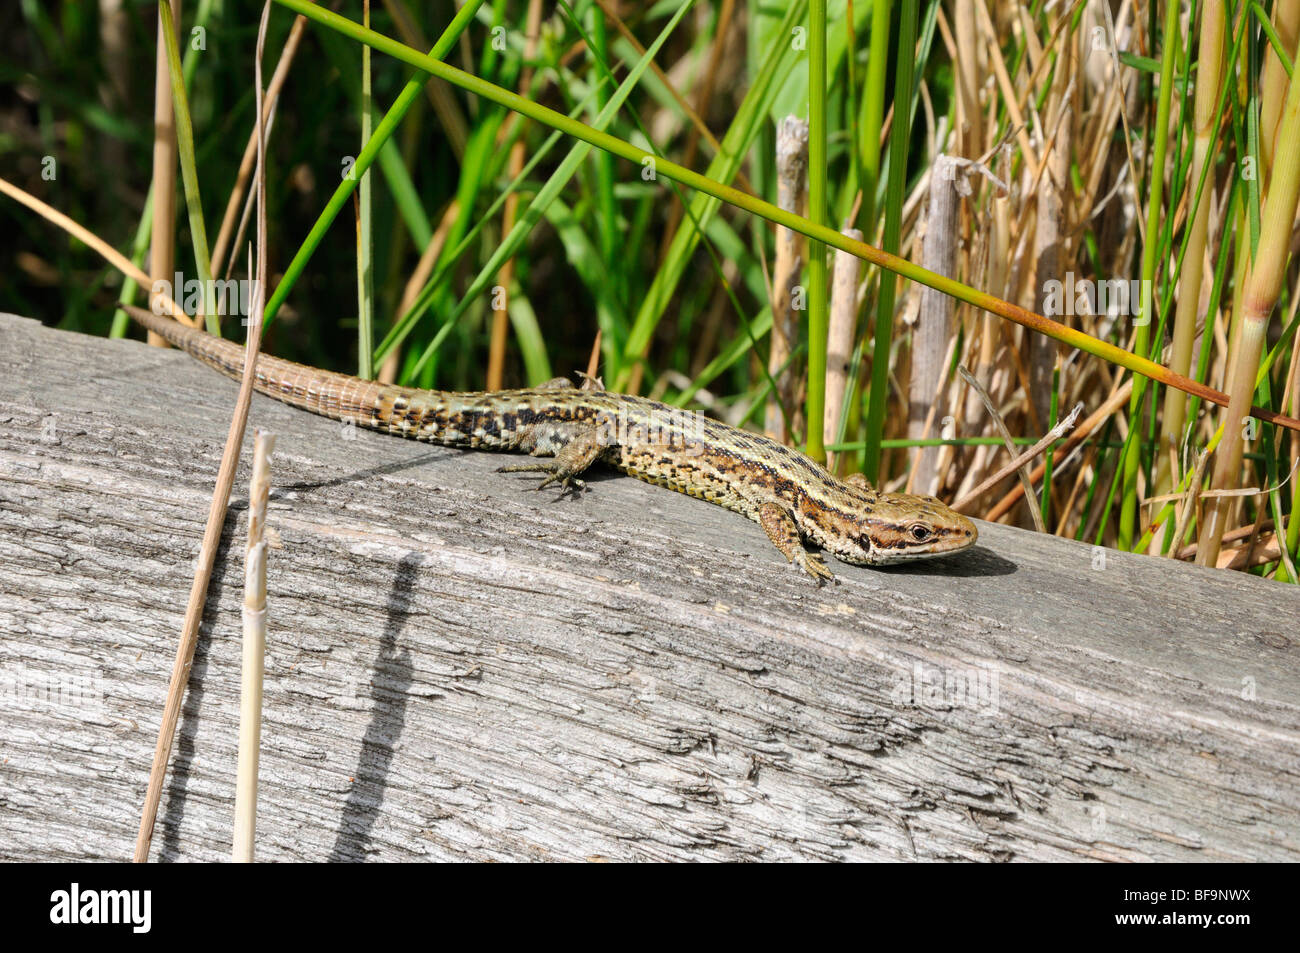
813	565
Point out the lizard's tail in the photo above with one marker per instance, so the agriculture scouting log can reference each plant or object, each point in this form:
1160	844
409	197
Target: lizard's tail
218	353
367	403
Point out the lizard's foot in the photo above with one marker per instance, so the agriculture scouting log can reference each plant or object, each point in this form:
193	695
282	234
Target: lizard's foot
815	566
782	531
568	481
567	465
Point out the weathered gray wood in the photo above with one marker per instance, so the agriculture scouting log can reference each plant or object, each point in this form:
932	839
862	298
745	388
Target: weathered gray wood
460	667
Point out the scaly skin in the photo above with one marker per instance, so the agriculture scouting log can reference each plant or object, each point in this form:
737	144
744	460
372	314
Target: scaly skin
782	490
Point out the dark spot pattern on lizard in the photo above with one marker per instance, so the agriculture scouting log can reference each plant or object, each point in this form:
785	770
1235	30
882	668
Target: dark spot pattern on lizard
790	496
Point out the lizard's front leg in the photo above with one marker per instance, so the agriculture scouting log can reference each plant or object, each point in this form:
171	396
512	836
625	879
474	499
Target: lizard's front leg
569	462
784	534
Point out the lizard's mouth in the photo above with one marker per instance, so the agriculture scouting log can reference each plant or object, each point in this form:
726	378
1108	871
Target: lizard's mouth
946	541
916	555
888	557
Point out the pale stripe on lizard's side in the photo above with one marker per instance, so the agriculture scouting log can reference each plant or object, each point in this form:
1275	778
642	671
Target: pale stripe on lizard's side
782	490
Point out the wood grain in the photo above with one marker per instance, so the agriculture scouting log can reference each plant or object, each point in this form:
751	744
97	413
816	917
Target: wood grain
461	668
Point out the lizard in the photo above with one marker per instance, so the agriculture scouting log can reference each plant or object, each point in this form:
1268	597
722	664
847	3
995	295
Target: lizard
786	492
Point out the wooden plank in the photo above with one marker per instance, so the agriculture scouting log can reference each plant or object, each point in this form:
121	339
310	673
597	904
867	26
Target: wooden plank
460	667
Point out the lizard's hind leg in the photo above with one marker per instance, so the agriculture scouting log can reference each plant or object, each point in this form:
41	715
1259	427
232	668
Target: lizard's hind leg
569	462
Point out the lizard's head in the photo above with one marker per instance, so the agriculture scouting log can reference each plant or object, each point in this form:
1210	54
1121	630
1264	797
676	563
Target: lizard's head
895	527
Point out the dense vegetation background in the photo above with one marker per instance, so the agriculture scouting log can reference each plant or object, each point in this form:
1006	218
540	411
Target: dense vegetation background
1104	141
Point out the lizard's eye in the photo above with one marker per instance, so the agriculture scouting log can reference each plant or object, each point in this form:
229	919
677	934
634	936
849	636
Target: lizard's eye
920	533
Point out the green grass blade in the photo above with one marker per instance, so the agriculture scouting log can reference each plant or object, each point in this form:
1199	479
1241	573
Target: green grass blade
1133	452
448	260
383	131
900	266
139	248
749	119
189	171
899	135
558	180
396	176
529	337
873	115
818	319
365	237
741	345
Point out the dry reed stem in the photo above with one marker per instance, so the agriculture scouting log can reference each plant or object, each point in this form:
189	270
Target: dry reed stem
1113	403
965	54
933	333
791	179
249	158
416	282
703	96
1232	536
220	498
593	360
97	245
1051	228
1192	503
162	244
1265	549
1062	427
506	276
995	274
1006	439
1257	302
253	651
993	45
839	340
